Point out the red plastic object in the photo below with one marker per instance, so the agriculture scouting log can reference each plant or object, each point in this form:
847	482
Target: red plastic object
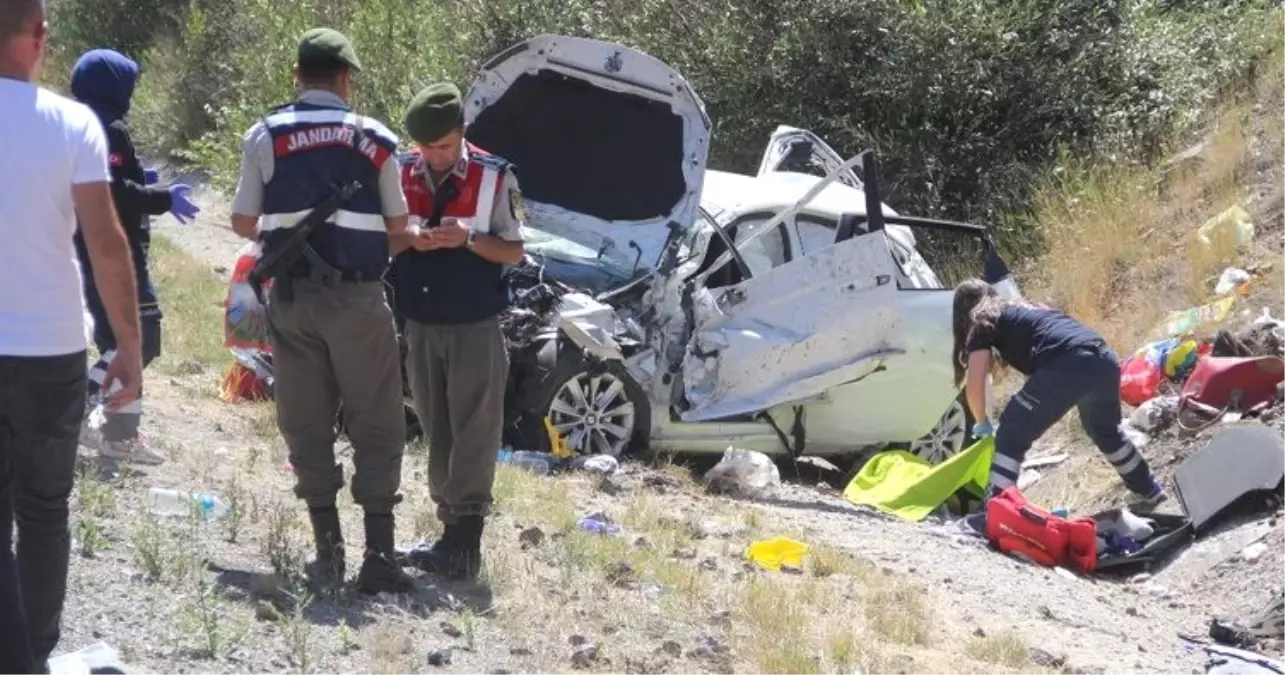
1139	380
1017	527
1220	382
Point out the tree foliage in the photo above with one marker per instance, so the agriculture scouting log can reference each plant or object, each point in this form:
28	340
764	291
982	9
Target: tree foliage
966	101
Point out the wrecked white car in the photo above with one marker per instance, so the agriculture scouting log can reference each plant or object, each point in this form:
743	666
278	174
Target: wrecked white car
702	308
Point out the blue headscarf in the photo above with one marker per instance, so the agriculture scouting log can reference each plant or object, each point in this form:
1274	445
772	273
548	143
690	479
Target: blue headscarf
104	80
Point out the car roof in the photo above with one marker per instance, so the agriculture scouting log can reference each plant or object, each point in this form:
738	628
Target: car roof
728	195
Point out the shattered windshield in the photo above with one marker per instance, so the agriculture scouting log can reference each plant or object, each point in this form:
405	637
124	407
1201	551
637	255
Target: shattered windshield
544	243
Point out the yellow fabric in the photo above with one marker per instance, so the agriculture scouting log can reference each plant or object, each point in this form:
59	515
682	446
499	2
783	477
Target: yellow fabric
772	554
902	484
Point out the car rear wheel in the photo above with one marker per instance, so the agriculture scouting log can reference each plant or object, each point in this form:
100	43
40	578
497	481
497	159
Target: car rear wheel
953	433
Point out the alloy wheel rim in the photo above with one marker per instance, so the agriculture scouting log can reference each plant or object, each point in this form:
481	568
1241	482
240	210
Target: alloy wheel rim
593	414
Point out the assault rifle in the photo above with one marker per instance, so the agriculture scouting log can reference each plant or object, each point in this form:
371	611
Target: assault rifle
282	257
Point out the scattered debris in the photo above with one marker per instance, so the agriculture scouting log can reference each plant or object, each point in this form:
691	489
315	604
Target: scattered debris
707	647
99	657
1233	226
1231	279
1046	659
744	473
598	523
530	537
440	657
1232	661
584	655
773	554
1253	552
620	573
604	465
1041	462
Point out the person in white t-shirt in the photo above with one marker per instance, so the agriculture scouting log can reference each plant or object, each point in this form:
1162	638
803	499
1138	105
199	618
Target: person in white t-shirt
54	169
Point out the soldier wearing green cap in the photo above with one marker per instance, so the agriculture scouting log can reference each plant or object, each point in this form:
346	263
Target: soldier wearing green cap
466	218
332	331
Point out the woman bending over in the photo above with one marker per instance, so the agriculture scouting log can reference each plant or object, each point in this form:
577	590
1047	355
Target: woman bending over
1068	365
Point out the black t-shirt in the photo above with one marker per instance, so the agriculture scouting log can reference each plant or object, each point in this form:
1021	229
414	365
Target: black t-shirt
1028	337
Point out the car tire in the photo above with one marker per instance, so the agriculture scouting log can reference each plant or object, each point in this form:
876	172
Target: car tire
617	424
952	434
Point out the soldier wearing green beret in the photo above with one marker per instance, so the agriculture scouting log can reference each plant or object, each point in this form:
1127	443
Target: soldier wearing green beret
332	331
466	218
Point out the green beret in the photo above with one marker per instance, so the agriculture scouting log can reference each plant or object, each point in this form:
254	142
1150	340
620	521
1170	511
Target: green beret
326	44
434	112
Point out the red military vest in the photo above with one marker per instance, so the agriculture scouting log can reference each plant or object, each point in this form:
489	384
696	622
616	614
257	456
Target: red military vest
477	178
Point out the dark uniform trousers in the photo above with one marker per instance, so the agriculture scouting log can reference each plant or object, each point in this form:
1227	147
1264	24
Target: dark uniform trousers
333	343
457	376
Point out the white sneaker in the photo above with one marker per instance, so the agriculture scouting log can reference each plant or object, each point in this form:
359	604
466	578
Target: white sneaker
90	437
133	450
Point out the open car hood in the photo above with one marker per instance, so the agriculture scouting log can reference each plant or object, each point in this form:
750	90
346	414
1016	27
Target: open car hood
609	144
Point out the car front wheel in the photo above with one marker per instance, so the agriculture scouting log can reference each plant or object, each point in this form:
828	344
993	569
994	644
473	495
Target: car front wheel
597	408
953	433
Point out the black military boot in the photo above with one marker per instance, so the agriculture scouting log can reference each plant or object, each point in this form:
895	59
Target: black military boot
379	573
431	558
325	573
464	561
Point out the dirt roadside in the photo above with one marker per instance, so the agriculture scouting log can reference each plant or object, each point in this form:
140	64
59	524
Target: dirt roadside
549	602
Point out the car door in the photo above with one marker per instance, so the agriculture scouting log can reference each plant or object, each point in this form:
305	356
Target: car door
801	151
792	332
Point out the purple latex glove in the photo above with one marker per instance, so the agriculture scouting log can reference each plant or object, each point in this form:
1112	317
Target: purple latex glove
150	176
182	209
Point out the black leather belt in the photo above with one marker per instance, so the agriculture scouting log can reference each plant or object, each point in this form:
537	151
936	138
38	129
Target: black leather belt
346	276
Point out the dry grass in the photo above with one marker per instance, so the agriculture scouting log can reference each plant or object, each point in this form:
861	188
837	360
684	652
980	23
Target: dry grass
1005	649
1123	251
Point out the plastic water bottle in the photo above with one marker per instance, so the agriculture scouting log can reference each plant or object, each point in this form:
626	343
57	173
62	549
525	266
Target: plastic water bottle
166	502
539	463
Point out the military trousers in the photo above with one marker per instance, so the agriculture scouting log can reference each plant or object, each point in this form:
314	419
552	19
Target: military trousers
334	343
457	376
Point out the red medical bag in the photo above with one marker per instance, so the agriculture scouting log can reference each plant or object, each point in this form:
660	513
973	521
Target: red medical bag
1017	527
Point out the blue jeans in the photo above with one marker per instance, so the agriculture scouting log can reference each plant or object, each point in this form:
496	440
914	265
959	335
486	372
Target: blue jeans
42	403
1086	378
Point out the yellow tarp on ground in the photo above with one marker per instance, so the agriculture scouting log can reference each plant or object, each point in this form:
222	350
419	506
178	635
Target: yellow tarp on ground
902	484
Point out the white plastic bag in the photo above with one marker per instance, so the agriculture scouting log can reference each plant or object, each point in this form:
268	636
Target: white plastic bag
245	319
744	472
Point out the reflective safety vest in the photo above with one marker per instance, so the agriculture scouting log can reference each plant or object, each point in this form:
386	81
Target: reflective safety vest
451	286
313	152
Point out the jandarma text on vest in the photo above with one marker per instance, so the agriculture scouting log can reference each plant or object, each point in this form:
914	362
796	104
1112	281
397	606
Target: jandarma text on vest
319	137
